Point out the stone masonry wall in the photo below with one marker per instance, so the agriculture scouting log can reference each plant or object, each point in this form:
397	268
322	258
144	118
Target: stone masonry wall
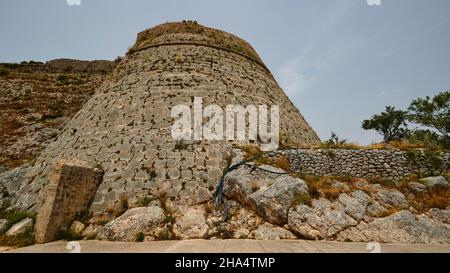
126	126
390	165
72	185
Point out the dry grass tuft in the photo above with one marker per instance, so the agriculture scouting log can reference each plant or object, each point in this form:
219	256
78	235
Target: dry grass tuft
254	185
427	200
282	162
322	187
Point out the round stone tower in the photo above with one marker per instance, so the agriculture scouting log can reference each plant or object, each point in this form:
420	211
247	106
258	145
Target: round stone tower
125	128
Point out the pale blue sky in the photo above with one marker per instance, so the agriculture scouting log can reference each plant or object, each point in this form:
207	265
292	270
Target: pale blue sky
339	61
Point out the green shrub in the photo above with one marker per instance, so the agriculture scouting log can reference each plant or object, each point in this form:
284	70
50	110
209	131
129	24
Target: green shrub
301	198
68	235
63	79
4	71
144	201
140	237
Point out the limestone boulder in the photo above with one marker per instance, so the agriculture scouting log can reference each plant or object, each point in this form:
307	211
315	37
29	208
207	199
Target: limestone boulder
339	185
321	221
273	201
14	179
390	198
271	232
134	222
436	183
11	182
3	225
352	206
192	224
269	195
245	180
77	227
416	187
376	210
91	231
401	227
21	227
442	215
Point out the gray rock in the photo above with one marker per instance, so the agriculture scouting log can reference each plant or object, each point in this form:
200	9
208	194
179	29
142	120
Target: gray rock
392	198
192	224
20	227
132	223
77	227
273	202
339	185
239	184
352	206
3	225
436	183
416	187
3	169
90	232
401	227
374	209
362	197
440	215
322	221
271	232
14	179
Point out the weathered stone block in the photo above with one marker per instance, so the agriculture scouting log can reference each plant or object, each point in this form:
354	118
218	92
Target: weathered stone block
71	188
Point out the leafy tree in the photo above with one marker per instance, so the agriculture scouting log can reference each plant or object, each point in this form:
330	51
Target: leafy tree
429	138
391	124
335	140
433	113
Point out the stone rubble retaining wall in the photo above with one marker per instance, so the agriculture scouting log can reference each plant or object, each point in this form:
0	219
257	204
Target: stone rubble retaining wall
392	165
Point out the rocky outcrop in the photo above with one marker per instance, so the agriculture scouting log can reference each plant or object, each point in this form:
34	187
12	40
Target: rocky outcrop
133	224
271	232
269	195
77	227
321	221
37	100
416	187
390	198
437	183
23	226
3	225
10	184
192	224
401	227
273	202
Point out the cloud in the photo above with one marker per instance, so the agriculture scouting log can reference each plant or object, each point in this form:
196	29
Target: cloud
293	78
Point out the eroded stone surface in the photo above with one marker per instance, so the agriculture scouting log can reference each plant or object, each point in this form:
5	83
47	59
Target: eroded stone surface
401	227
72	185
133	223
21	227
271	232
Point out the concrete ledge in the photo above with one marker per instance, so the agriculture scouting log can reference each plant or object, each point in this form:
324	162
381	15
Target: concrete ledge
229	246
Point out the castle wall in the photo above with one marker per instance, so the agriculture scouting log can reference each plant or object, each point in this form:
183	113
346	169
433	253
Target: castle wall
126	126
